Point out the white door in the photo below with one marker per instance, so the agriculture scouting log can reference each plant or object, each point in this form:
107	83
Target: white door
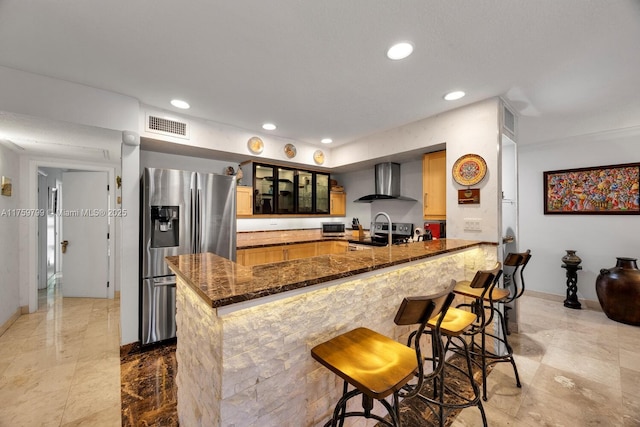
85	224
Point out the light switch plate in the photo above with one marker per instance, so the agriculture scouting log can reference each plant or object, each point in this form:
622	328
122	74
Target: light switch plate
472	224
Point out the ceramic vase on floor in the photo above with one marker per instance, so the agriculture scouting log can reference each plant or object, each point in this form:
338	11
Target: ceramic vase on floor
618	290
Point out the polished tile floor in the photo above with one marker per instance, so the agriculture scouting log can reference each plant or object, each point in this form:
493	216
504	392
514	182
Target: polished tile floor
60	366
578	368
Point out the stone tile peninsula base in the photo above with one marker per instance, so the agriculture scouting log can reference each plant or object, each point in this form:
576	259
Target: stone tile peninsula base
249	364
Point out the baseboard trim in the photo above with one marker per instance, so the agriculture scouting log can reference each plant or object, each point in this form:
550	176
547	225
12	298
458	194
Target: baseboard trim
6	325
590	304
24	309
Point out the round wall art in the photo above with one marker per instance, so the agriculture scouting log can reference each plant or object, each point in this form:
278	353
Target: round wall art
255	145
469	169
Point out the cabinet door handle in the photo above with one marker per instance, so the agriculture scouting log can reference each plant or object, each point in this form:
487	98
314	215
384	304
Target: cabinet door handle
425	200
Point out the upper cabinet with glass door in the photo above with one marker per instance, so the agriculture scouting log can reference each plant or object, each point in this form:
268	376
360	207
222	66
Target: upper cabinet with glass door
305	192
283	190
285	203
322	193
263	176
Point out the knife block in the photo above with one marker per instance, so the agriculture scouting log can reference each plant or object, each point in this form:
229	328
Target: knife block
358	233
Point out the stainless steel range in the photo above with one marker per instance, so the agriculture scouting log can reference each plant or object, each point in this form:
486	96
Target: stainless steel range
401	232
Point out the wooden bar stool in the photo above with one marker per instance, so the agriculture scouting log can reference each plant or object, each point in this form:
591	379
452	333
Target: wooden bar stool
513	280
377	366
444	397
485	294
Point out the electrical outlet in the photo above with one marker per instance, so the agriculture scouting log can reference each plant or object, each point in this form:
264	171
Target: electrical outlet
472	224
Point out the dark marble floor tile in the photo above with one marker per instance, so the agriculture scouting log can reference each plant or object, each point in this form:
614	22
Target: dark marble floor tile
148	389
415	412
149	392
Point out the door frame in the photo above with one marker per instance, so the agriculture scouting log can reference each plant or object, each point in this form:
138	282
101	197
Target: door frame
29	224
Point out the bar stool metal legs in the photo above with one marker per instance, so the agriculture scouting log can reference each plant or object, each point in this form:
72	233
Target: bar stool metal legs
444	397
340	411
485	297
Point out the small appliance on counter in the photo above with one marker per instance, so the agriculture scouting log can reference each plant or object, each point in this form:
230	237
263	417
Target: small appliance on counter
333	229
437	229
422	235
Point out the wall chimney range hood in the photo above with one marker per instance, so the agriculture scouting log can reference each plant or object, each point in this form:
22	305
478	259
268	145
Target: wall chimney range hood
387	176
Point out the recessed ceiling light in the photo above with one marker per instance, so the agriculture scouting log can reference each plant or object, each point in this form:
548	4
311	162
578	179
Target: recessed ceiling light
178	103
452	96
268	126
327	141
400	51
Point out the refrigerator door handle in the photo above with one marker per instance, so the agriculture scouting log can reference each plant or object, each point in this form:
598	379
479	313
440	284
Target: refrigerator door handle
192	228
198	221
159	285
164	281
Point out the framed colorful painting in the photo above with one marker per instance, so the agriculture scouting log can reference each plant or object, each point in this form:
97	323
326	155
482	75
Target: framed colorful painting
595	190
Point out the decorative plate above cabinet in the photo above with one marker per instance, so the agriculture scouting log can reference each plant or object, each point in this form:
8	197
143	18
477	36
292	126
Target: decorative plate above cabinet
318	157
290	150
255	145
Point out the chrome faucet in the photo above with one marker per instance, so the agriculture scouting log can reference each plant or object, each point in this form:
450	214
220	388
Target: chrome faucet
386	215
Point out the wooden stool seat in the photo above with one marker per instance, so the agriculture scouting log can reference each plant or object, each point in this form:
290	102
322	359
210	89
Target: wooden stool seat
455	321
464	288
382	365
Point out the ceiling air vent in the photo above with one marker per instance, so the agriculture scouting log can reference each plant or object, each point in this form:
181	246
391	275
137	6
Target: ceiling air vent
509	121
169	127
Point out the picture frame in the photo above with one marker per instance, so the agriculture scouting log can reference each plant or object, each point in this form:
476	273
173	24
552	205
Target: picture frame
598	190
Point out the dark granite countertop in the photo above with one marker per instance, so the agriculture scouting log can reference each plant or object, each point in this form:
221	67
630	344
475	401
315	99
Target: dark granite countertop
222	282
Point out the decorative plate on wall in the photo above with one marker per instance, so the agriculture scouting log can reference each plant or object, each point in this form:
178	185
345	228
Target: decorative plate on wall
318	157
469	169
255	145
290	150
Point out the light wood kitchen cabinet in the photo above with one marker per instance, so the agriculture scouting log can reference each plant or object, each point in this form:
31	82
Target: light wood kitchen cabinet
256	256
338	204
300	250
269	254
434	185
332	247
244	200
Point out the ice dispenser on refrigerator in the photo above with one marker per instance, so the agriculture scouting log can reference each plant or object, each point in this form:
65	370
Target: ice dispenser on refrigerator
166	226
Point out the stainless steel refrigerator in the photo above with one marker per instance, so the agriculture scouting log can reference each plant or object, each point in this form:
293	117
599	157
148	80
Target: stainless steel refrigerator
182	212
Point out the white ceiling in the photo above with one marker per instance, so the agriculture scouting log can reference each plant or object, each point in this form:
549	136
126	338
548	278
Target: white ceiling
318	68
44	137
